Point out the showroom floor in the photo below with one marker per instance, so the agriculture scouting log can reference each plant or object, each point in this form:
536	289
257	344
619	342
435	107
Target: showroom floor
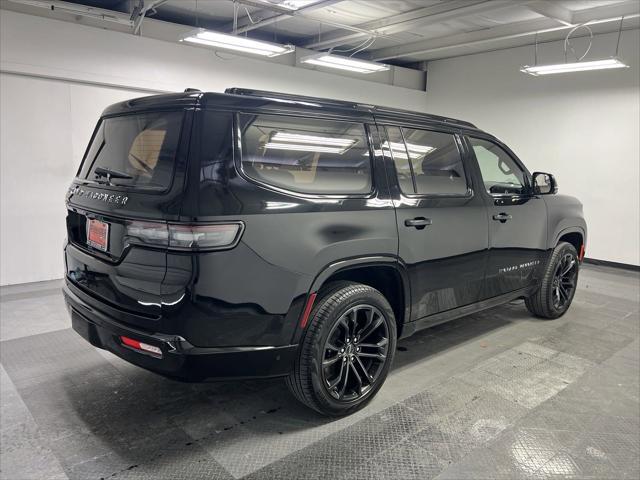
495	395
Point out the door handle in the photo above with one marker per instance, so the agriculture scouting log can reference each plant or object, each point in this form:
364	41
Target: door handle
419	222
502	217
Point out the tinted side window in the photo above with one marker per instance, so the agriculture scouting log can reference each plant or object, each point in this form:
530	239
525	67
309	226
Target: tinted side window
432	158
500	173
306	155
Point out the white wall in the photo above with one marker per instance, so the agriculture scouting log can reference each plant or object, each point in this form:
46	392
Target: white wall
57	78
583	127
44	128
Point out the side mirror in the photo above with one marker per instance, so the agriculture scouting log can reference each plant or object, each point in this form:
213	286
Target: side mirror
544	183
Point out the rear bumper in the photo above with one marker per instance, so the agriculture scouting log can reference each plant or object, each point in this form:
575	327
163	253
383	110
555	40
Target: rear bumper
179	359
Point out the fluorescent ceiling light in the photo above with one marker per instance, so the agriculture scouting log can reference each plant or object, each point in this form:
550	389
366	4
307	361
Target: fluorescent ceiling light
305	148
537	70
296	4
345	63
298	138
399	151
241	44
289	4
412	147
309	143
397	154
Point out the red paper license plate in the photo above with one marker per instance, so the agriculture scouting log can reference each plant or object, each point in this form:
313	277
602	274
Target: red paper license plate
97	234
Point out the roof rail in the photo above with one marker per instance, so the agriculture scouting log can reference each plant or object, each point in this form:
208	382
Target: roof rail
411	113
344	104
288	96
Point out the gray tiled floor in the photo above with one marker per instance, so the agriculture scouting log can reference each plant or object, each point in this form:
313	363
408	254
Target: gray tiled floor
494	395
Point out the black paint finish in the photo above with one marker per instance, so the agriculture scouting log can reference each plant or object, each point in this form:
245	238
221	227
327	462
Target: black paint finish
244	304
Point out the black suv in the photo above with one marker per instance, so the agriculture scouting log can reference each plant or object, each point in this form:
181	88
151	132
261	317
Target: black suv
259	234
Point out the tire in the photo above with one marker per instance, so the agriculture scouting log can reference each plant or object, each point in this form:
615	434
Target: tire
545	302
343	305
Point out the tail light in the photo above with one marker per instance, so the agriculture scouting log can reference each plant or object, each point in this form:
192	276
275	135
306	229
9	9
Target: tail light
184	237
147	233
203	237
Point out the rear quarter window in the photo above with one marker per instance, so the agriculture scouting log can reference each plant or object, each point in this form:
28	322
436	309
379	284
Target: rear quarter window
139	149
306	155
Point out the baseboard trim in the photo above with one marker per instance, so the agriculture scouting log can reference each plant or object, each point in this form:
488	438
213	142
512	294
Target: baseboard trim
607	263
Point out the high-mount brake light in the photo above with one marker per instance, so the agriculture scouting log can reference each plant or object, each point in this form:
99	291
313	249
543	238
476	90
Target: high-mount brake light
184	237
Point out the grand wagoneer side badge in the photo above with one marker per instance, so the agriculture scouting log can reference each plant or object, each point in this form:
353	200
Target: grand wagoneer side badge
104	197
522	266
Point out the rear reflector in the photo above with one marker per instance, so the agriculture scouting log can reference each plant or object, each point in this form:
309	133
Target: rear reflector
307	309
136	345
583	247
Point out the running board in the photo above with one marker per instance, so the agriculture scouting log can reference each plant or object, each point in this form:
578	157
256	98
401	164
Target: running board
438	318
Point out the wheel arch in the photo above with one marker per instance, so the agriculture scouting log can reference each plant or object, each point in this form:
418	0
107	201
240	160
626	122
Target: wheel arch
573	235
384	273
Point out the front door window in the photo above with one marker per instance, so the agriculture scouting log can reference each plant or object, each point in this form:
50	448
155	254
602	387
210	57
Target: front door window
500	173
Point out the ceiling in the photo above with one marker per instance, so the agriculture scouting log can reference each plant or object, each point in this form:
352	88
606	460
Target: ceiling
400	32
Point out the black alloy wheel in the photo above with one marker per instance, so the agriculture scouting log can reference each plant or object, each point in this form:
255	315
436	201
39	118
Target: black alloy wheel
564	280
346	350
558	284
355	352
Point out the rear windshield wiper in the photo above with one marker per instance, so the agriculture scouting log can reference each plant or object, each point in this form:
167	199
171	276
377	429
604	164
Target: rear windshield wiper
109	173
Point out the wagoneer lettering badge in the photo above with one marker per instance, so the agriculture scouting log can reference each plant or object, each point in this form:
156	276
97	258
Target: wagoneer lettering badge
104	197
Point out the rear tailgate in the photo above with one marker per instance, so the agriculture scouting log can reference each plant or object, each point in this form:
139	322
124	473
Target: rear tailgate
133	173
125	276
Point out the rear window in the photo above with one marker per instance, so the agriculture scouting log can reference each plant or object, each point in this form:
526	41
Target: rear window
306	155
134	150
